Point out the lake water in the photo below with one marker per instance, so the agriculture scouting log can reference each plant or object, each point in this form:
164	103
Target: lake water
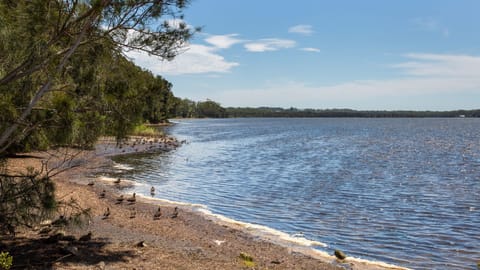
401	191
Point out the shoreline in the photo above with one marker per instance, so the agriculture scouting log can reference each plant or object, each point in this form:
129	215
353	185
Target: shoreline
197	239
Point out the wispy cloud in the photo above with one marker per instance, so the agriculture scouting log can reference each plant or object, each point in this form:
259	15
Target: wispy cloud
303	29
309	49
223	41
270	44
430	81
196	59
441	65
430	25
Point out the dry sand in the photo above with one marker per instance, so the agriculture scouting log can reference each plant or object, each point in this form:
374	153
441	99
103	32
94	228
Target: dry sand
189	241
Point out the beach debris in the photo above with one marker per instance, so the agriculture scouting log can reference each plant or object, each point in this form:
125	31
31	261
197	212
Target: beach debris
91	183
132	199
152	191
120	199
339	254
133	213
157	214
117	181
141	244
275	262
247	259
86	237
219	242
102	194
175	213
106	214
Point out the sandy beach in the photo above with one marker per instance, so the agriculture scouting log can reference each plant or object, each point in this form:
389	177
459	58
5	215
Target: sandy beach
130	237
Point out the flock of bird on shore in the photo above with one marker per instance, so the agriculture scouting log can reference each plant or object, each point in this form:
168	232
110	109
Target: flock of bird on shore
130	201
142	144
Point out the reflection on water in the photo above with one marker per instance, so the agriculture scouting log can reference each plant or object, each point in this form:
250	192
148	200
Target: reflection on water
403	191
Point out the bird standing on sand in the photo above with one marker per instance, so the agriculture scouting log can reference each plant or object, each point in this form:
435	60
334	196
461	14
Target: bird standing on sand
86	237
102	194
175	213
119	199
106	214
132	199
157	214
117	181
152	191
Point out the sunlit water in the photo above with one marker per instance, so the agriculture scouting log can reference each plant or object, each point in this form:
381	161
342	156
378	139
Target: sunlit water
402	191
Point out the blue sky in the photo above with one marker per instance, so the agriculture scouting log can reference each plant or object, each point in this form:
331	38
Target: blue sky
369	54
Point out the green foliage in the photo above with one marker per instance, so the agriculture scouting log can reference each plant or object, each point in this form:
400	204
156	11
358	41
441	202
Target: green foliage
143	130
25	199
64	79
6	261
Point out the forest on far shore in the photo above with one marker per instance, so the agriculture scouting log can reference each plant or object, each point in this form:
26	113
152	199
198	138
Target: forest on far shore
210	109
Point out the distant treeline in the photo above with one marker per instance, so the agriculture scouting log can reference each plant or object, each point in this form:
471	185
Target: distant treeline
211	109
293	112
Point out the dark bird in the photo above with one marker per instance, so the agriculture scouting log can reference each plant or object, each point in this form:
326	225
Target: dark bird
175	213
102	194
86	237
339	254
133	213
120	199
152	191
117	181
132	199
106	214
157	214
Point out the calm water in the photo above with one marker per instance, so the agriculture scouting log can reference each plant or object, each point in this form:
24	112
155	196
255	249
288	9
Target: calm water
402	191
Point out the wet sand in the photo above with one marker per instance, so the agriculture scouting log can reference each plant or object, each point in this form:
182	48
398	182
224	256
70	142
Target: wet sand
125	240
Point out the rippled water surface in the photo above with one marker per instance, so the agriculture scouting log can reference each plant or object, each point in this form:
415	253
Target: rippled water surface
402	191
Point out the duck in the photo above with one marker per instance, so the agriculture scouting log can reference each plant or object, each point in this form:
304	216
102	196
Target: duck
157	214
175	213
86	237
120	199
152	191
117	181
132	199
102	194
106	214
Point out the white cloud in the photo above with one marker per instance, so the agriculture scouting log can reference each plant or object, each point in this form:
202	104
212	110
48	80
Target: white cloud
431	81
441	65
223	41
310	50
303	29
196	59
269	44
